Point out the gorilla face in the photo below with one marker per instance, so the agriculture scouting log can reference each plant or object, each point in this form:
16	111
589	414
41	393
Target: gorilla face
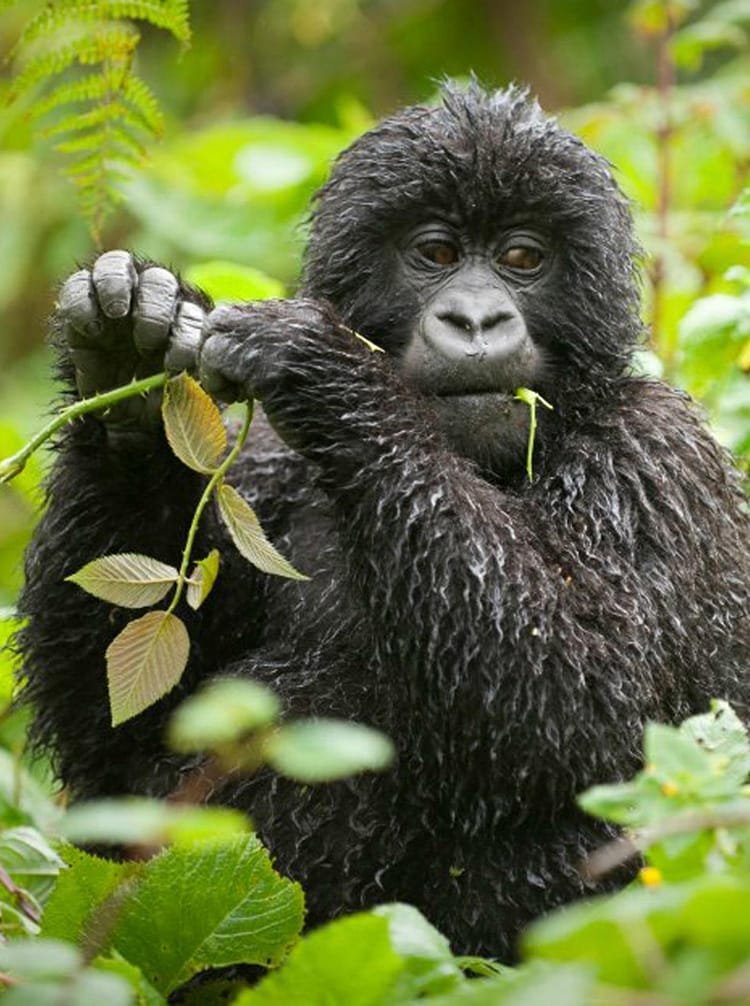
469	346
484	248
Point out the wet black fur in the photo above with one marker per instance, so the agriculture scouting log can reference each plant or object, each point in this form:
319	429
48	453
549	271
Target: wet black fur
512	638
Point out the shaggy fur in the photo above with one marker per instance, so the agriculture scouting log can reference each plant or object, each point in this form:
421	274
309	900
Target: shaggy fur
512	638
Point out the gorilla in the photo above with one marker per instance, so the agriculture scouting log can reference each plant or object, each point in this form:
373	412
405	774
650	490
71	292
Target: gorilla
511	635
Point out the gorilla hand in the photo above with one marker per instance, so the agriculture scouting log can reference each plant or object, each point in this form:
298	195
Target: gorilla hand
297	358
123	320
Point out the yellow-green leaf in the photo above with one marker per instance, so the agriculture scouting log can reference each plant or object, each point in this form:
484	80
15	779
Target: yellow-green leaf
128	579
193	424
203	578
144	662
249	536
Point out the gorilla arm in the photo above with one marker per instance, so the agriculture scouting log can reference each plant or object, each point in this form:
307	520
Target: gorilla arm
541	627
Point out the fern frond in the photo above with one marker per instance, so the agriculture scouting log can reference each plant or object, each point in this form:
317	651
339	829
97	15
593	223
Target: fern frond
112	112
110	41
92	87
171	15
143	101
108	142
102	115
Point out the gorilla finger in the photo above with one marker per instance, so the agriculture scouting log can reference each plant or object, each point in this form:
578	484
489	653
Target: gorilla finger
184	344
114	279
77	305
216	373
154	308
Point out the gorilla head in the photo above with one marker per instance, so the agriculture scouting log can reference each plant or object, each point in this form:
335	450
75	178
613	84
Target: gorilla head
474	241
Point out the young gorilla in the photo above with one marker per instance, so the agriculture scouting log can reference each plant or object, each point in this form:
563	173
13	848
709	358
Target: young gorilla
512	637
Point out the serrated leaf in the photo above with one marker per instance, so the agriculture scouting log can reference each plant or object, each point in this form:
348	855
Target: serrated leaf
202	579
193	425
250	538
213	905
80	889
129	580
320	750
222	712
144	662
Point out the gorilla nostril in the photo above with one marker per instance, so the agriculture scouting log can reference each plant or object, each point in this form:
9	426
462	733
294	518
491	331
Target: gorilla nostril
493	320
456	320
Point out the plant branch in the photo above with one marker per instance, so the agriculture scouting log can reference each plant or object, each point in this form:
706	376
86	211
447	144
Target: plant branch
15	464
215	479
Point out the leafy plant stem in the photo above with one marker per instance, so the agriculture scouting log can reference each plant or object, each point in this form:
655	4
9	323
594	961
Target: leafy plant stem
15	464
212	483
531	398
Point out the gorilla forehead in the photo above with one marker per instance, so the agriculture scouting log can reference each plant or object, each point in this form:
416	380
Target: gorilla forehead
485	157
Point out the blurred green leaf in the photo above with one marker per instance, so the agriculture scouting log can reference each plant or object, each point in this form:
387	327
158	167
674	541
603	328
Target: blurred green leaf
321	750
134	820
224	711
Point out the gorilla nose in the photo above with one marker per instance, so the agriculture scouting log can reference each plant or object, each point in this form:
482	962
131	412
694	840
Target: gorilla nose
474	320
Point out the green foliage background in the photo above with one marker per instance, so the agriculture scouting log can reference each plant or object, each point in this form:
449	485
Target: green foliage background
251	116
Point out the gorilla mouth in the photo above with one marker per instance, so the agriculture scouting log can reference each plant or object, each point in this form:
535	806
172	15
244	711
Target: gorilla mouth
477	393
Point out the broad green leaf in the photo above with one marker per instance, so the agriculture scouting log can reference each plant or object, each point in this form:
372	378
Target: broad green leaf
320	750
606	932
193	425
208	906
144	662
134	820
202	579
231	281
249	537
128	579
80	890
430	966
222	712
671	753
348	961
722	734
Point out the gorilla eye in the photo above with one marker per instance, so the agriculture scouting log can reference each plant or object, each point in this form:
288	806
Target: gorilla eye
523	259
439	252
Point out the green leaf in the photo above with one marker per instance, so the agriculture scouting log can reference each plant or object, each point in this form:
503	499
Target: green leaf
321	750
30	861
210	906
193	425
231	281
34	959
145	993
202	579
222	712
614	802
249	537
128	579
144	662
80	890
671	753
430	966
722	734
137	820
348	961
